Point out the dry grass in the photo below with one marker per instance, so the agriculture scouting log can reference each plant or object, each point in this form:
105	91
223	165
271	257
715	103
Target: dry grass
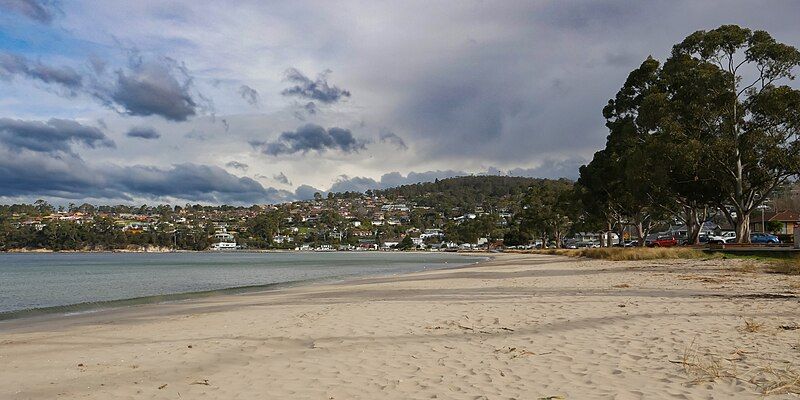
705	279
704	367
748	267
777	381
787	267
752	326
707	367
630	254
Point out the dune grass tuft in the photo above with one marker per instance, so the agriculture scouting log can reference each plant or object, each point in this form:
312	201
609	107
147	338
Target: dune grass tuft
787	267
752	326
631	254
705	366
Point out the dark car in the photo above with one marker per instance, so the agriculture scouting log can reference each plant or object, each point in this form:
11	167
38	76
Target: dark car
763	238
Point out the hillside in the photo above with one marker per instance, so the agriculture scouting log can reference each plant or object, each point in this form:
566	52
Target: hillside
465	193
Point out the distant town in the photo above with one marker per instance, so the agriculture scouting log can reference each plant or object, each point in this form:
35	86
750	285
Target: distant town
335	222
465	213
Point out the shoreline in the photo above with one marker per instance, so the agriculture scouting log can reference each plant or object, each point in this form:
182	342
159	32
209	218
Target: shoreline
50	251
517	326
18	317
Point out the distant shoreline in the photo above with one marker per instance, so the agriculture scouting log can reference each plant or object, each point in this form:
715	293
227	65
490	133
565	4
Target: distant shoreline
93	307
48	251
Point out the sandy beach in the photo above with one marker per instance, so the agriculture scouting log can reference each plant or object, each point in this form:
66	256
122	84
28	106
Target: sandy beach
517	327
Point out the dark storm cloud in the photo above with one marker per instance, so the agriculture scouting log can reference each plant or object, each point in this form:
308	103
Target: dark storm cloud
69	177
553	169
15	65
318	89
397	141
151	87
38	10
237	165
357	184
143	132
282	178
38	159
504	99
306	192
146	86
310	137
55	135
191	181
250	95
392	179
549	169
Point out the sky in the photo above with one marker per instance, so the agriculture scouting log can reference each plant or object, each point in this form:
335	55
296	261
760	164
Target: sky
254	102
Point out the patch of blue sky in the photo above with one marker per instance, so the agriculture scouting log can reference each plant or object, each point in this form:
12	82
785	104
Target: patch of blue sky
34	40
41	103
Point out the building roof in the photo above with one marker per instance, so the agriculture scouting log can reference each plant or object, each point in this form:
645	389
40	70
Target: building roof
786	216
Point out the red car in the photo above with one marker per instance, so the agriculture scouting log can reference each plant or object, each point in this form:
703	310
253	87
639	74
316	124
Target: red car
663	241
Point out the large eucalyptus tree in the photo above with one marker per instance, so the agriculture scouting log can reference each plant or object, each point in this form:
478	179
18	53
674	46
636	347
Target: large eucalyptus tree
744	116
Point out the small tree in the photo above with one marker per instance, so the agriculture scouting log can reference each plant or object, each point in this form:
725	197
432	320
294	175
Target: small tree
406	244
773	226
548	210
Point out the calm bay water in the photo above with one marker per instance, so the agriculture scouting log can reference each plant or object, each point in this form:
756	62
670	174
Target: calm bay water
73	282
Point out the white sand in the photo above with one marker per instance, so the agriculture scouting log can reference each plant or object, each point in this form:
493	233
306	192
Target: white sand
519	327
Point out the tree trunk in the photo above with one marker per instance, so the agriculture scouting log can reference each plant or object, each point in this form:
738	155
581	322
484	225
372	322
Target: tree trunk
693	226
640	233
743	227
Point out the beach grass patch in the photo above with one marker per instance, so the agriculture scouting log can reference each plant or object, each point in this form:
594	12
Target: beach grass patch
705	366
631	254
702	367
786	267
751	326
774	381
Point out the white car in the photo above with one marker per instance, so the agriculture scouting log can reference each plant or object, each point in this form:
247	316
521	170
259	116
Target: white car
724	237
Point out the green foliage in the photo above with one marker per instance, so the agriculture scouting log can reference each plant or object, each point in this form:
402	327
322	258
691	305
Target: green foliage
516	237
744	124
406	244
550	210
455	196
774	226
699	132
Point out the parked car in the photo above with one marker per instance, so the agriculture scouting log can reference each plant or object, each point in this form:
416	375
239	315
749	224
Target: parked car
763	238
664	241
724	237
